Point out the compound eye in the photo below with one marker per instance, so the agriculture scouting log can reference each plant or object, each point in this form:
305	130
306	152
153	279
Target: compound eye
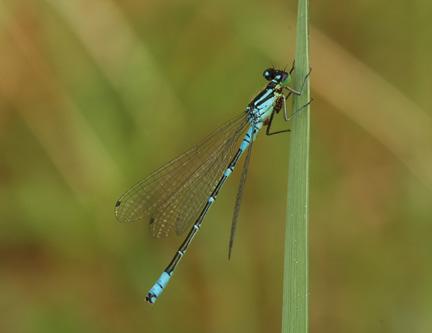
268	74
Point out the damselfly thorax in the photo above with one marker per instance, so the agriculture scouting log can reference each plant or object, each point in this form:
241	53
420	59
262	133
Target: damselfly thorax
270	99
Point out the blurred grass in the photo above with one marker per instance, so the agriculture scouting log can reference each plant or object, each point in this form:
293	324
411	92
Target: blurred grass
295	303
80	122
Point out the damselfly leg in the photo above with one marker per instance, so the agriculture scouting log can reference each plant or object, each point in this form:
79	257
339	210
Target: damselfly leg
281	101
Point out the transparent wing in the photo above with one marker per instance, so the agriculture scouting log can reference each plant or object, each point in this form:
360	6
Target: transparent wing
238	199
172	196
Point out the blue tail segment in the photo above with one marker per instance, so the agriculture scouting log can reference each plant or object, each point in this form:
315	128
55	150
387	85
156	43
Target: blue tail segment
158	287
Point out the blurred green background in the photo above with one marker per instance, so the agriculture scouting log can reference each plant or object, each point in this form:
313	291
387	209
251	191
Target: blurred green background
94	95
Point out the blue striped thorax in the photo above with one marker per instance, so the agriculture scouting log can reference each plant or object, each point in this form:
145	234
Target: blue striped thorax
261	107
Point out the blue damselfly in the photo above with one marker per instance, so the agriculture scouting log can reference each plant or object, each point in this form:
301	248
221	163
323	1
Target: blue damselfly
180	193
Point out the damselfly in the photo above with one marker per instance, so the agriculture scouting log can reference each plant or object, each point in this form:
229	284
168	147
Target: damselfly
180	193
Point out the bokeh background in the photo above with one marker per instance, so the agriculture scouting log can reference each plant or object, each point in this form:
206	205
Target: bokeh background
94	95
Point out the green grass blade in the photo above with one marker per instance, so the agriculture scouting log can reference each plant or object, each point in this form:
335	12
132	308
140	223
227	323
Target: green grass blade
295	279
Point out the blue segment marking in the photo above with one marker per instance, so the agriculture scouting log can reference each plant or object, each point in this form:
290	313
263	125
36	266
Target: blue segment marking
158	287
245	142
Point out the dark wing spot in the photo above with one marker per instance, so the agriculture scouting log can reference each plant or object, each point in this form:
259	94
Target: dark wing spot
118	203
152	219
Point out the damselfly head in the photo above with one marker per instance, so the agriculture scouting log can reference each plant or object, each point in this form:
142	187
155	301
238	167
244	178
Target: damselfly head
275	74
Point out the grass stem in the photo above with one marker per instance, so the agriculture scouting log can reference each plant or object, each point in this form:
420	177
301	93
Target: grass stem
295	278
